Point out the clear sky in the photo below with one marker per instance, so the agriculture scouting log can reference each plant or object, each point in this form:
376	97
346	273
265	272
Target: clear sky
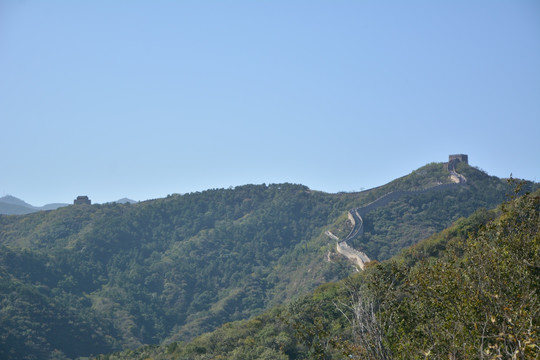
142	99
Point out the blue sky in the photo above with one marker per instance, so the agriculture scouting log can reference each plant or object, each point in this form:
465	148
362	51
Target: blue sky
142	99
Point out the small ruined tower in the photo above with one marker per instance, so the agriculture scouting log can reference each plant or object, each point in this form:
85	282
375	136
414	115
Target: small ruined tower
458	158
82	200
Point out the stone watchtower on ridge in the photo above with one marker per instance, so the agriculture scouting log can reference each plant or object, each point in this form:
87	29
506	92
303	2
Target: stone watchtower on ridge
458	158
82	200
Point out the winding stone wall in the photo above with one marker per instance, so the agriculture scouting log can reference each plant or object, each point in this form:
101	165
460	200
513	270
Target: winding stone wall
355	215
358	257
394	195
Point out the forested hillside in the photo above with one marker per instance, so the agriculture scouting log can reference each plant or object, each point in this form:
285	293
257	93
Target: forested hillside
469	292
85	280
134	274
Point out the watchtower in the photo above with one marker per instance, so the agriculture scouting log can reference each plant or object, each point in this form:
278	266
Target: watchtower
458	158
82	200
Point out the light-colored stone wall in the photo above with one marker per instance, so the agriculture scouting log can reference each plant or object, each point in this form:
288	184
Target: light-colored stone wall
356	256
355	215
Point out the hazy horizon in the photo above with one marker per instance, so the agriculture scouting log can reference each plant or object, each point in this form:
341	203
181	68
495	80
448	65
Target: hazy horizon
198	190
145	99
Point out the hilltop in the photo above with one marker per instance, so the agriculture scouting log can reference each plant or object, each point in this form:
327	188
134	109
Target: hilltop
94	279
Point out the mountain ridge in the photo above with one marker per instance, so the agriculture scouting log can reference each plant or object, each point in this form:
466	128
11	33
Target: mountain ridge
406	306
11	205
175	267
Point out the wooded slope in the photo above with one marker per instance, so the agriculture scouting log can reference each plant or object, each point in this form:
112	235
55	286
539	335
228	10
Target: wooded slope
84	280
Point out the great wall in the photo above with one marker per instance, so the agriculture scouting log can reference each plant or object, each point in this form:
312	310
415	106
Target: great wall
355	215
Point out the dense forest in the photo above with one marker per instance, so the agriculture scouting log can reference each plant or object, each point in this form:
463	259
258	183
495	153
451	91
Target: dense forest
87	280
469	292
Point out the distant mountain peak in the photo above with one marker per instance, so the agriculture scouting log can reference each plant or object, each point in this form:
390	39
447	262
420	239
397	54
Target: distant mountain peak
12	200
10	205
